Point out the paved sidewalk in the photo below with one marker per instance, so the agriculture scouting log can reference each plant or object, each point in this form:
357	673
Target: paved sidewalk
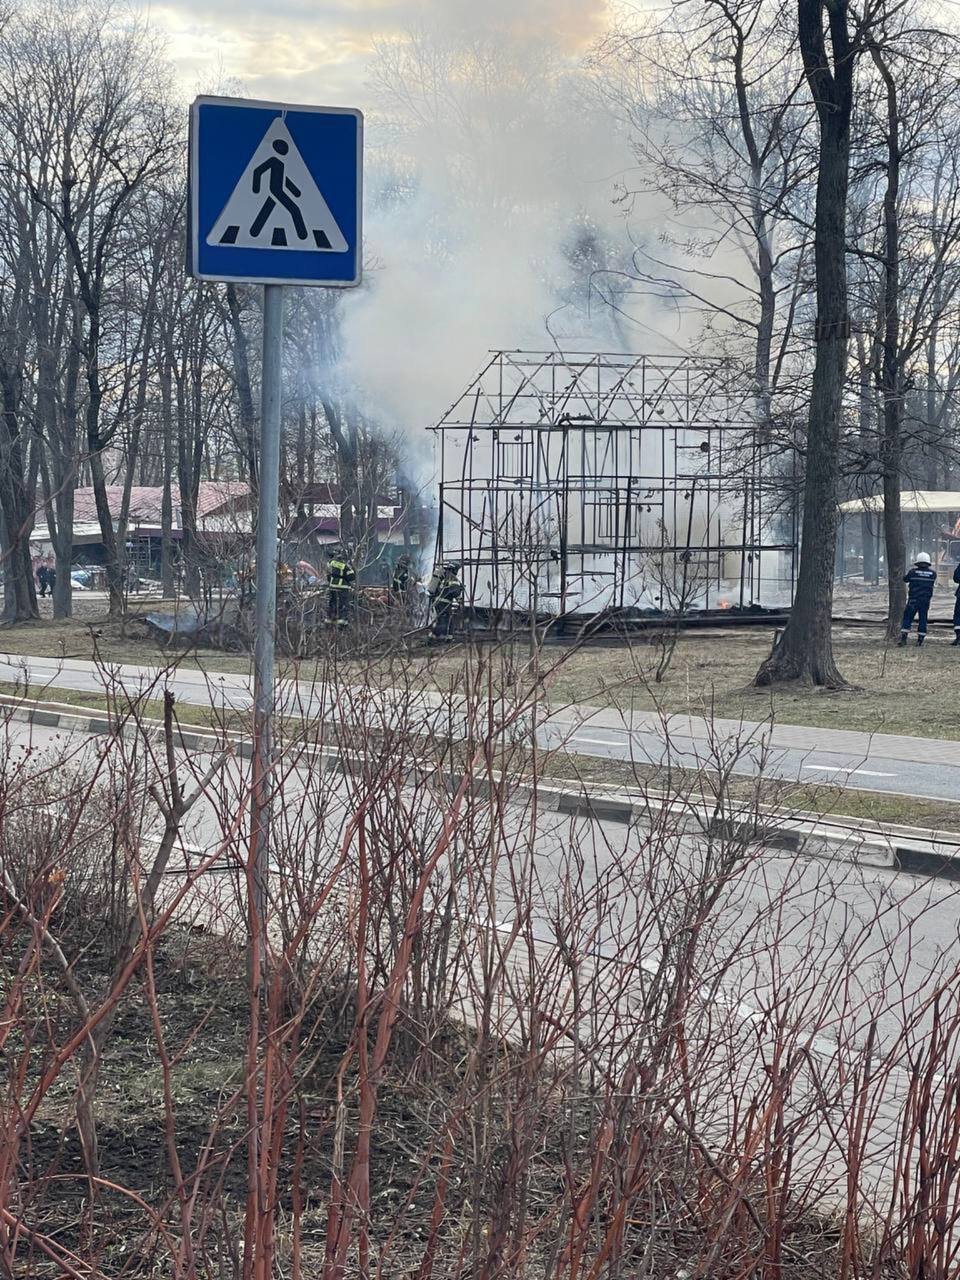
894	763
798	737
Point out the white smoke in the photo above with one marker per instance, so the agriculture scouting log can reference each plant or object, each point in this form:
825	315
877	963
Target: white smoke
492	175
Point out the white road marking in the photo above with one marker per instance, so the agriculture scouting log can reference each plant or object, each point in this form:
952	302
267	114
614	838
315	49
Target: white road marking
599	742
839	768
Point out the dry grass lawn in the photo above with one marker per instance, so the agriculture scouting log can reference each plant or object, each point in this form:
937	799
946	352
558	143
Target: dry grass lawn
902	691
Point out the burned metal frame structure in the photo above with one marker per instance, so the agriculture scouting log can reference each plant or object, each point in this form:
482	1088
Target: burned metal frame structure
576	484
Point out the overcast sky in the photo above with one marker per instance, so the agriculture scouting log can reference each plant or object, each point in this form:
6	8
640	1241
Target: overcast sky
480	250
318	50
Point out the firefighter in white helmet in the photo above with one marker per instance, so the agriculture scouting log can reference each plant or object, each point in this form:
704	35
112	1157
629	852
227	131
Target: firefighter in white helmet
920	582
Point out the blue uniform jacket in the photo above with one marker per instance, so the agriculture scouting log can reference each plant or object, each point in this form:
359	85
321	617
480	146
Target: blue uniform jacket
920	584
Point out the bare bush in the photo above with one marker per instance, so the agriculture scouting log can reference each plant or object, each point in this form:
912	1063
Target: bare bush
496	1038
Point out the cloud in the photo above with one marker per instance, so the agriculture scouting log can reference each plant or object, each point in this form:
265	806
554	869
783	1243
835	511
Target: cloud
321	51
271	53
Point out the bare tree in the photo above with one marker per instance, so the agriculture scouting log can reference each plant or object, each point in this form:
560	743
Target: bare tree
711	95
805	649
917	86
16	506
107	92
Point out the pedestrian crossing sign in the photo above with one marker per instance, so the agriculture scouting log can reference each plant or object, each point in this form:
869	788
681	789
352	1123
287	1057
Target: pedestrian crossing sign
275	193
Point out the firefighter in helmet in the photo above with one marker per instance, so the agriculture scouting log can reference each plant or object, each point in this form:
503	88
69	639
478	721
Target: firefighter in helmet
446	593
920	581
341	579
400	581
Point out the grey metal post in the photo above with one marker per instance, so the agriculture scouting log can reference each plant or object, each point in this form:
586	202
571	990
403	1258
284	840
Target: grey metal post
266	606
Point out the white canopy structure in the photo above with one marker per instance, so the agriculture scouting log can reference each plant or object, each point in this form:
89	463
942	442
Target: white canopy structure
918	501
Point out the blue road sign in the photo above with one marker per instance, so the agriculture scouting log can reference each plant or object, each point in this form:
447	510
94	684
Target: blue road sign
275	193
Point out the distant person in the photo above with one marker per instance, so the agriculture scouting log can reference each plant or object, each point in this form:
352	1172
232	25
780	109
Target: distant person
956	608
341	578
42	581
308	574
920	583
400	581
446	593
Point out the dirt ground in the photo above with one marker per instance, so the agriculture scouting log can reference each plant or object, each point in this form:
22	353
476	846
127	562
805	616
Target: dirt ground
90	633
203	1006
907	691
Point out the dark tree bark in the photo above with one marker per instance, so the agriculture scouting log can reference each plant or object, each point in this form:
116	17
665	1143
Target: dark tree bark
16	509
55	322
90	285
58	460
871	558
932	416
868	519
146	354
240	350
345	445
761	228
190	456
167	581
891	379
805	651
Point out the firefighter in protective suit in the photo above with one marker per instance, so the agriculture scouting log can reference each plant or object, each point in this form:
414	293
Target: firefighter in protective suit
400	581
341	578
920	583
446	592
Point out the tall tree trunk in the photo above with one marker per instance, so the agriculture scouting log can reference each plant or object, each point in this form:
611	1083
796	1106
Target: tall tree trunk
345	441
932	413
59	504
240	349
871	558
16	511
95	447
894	546
805	651
762	235
136	424
58	476
167	577
891	382
189	457
935	456
868	532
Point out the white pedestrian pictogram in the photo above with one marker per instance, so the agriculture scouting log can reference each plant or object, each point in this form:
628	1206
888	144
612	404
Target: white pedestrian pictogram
276	204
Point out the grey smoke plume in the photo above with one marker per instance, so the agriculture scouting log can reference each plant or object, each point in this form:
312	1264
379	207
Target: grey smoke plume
491	196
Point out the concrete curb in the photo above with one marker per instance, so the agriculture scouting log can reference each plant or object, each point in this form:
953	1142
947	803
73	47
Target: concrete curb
912	849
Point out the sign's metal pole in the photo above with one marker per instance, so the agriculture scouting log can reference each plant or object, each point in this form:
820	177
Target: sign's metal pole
265	616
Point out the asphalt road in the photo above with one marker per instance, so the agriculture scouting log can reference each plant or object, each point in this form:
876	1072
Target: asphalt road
886	763
876	769
876	910
816	951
